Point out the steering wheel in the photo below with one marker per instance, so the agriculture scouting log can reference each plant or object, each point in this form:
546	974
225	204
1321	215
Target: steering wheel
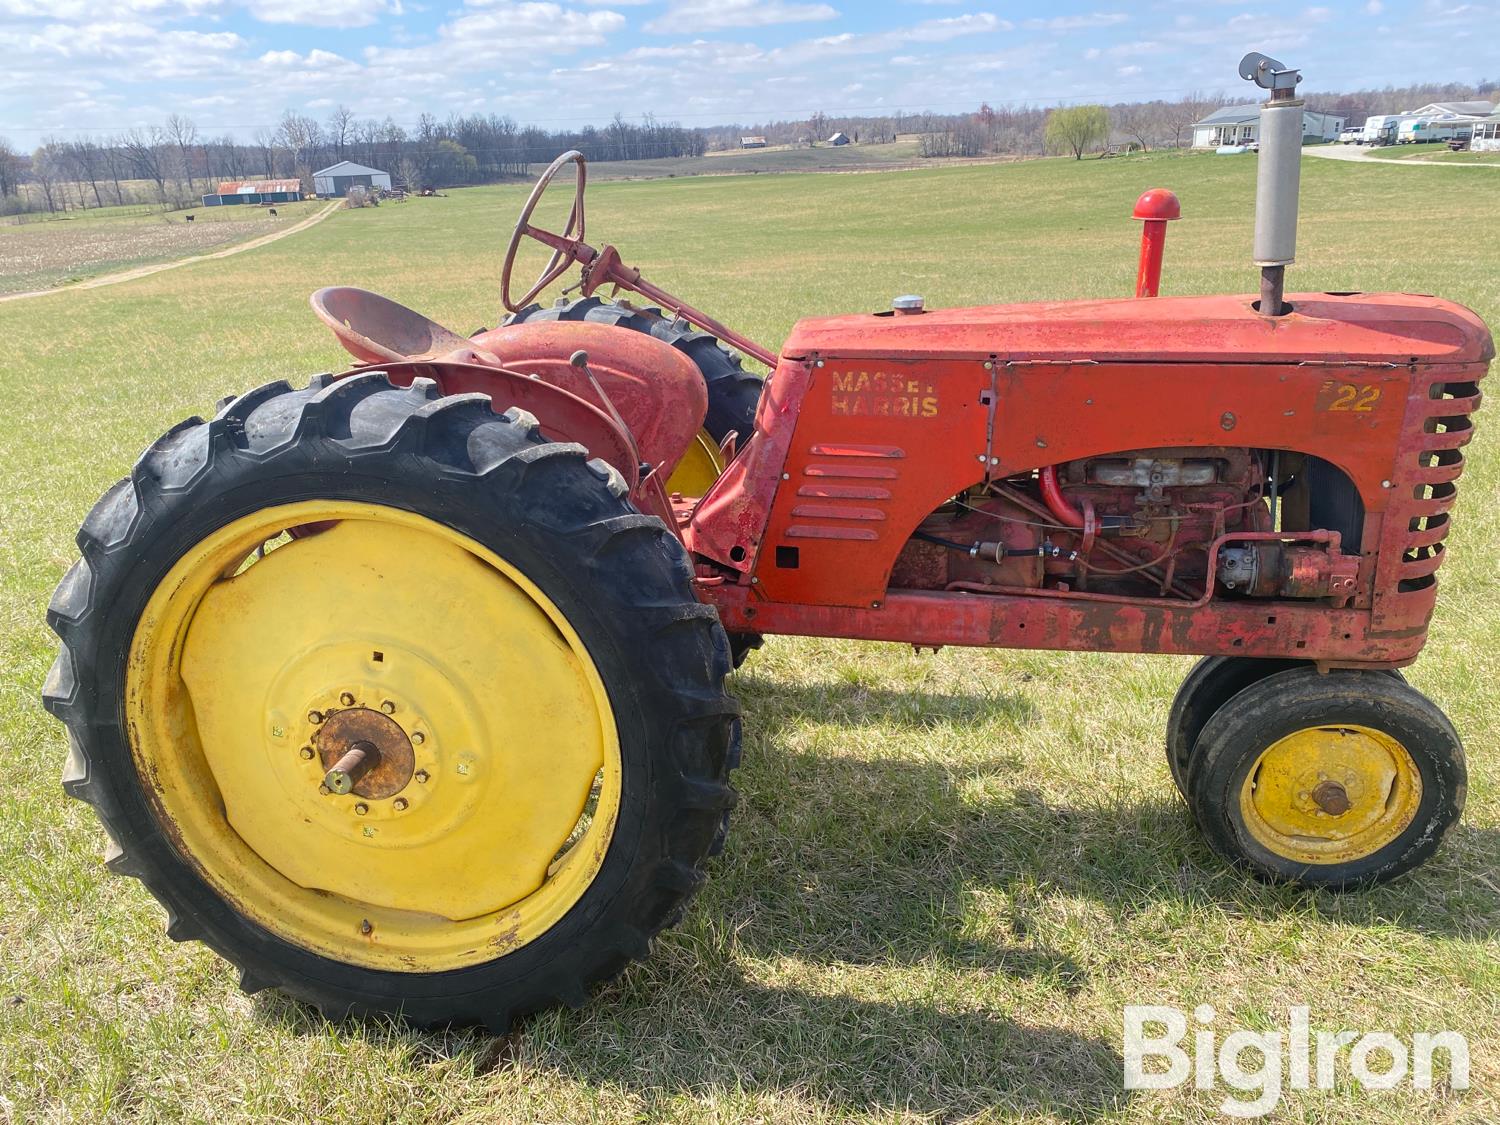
565	246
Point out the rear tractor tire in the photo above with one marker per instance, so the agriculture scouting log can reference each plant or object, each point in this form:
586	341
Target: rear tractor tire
394	703
733	393
1336	781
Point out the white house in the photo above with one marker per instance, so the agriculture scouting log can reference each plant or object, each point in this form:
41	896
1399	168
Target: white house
338	178
1240	125
1486	136
1439	110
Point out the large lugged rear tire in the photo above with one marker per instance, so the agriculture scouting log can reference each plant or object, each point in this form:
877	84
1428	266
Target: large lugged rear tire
733	393
479	612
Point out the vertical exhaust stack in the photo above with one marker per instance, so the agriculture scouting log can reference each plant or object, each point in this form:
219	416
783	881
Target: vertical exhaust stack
1278	176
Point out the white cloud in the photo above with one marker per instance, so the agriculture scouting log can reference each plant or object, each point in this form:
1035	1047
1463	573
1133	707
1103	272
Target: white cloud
1374	7
686	17
1077	23
1128	71
319	13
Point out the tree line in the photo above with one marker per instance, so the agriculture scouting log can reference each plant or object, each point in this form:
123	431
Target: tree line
175	163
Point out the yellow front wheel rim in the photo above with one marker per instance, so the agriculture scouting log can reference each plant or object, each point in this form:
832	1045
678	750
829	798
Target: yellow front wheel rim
260	658
1332	794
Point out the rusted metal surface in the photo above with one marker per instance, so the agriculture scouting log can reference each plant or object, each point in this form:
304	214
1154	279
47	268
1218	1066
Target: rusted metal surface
1324	328
657	390
369	749
1332	798
1096	432
900	415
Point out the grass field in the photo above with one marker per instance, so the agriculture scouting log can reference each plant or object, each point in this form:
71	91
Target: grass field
947	875
86	244
1433	151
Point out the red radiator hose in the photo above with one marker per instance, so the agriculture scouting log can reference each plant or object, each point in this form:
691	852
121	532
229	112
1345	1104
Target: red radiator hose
1057	504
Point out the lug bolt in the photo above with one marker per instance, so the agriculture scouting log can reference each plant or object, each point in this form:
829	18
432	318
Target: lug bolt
421	777
323	789
361	808
388	707
347	699
365	927
307	753
400	803
418	738
315	717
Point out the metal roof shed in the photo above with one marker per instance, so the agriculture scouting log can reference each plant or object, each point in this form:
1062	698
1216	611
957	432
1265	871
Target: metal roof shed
338	178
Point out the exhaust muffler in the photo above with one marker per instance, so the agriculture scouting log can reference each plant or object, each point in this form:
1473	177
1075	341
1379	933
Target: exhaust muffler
1278	176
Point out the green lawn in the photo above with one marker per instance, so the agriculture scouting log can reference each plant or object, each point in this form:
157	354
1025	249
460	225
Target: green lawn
1433	151
947	875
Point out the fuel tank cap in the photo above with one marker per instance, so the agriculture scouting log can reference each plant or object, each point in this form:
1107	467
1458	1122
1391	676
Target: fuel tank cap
908	303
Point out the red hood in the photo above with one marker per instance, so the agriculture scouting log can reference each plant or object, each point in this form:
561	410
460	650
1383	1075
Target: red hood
1324	327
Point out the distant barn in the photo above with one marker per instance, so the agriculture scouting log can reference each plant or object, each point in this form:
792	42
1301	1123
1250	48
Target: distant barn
254	191
838	139
752	142
338	178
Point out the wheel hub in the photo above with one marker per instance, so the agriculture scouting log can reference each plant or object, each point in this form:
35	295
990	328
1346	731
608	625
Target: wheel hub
1331	794
365	753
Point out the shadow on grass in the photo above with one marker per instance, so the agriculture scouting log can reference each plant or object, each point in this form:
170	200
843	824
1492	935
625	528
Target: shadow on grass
849	949
871	859
686	1026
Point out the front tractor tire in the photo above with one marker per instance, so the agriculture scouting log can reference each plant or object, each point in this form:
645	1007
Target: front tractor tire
394	703
1339	780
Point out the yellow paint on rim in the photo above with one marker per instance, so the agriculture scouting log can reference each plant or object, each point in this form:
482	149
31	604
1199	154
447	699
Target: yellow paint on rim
515	789
1325	795
699	468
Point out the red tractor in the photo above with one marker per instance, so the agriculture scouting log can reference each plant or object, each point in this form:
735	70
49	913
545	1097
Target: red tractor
404	690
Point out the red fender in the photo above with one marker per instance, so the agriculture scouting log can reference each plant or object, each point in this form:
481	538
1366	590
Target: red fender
657	390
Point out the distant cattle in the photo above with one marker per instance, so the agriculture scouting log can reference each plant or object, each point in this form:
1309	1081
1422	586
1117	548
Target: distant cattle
273	212
189	218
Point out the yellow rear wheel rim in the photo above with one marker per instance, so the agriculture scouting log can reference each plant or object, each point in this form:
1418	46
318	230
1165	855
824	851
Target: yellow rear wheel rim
1325	795
499	785
699	468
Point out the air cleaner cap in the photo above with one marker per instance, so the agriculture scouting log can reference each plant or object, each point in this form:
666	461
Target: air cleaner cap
908	303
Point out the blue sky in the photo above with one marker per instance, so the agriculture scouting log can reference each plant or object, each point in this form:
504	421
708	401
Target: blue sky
232	65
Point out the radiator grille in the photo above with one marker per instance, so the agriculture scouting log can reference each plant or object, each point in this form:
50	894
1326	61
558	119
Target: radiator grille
1428	486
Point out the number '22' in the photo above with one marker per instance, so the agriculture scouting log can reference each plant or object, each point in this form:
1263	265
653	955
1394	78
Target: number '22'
1349	396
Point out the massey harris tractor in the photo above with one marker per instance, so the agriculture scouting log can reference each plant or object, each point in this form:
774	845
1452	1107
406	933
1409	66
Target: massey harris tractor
404	690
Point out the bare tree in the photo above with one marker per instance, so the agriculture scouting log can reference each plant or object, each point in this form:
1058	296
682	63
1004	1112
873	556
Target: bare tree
1184	114
146	150
265	140
341	130
301	137
48	172
1138	121
10	169
85	158
112	152
184	135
